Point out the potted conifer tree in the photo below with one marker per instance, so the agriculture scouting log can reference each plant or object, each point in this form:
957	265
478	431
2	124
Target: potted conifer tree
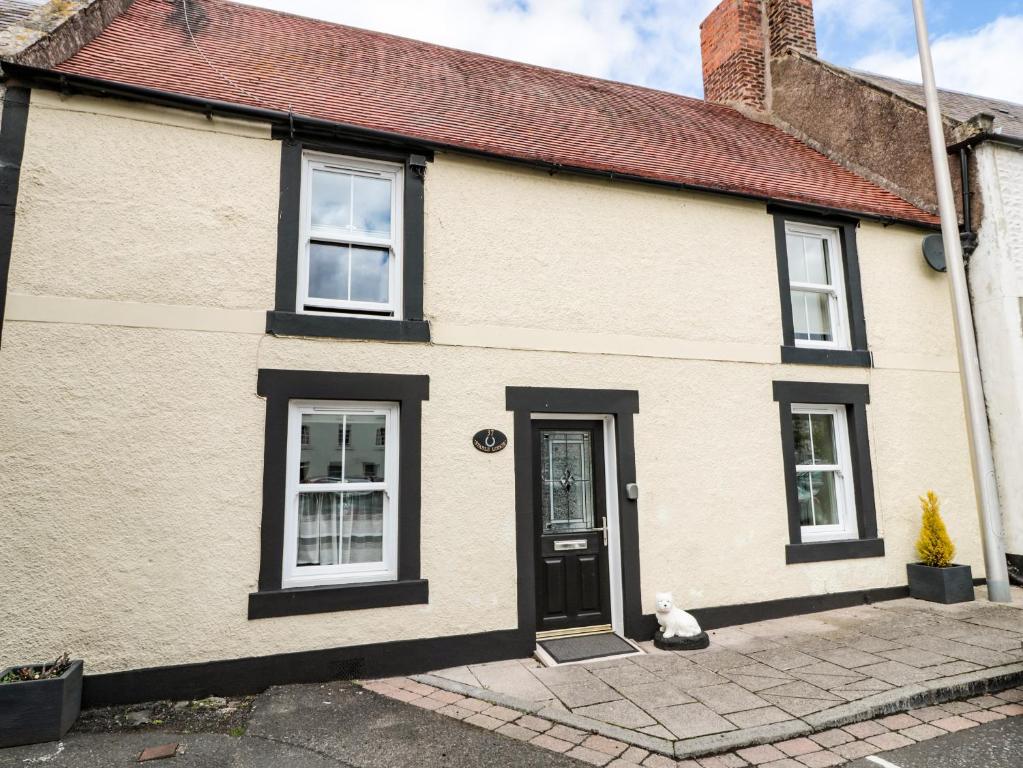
936	577
39	702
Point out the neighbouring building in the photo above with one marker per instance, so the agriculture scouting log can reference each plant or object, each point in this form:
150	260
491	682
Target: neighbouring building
269	276
761	56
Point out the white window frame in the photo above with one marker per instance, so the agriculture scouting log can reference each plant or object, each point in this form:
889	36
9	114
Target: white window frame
352	573
316	161
838	302
845	495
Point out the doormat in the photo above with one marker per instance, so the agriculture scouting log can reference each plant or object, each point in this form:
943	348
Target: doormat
583	648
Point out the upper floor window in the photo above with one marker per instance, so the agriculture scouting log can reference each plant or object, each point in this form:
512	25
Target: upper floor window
350	238
819	281
350	249
817	290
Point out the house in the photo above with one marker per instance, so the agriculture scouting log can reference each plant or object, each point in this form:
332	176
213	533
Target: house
877	127
280	290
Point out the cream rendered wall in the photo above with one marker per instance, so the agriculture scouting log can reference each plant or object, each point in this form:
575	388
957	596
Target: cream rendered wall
131	464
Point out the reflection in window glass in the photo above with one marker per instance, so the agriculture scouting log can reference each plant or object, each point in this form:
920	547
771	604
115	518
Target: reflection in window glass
328	271
821	459
349	273
369	274
818	504
811	316
331	204
372	209
350	248
814	435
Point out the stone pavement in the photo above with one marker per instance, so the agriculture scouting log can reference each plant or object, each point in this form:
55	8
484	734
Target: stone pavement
774	681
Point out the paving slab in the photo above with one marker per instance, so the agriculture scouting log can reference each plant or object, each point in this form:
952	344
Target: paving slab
621	712
801	674
656	695
728	698
689	720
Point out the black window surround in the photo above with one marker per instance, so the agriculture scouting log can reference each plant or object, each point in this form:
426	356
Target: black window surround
286	319
12	148
859	355
855	398
279	387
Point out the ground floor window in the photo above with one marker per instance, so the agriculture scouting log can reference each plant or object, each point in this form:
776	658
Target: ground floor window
828	478
341	492
827	504
340	523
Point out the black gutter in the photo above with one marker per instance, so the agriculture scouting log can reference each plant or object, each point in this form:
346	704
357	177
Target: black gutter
72	83
980	138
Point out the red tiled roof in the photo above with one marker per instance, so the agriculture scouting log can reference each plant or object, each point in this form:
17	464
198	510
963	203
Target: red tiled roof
263	58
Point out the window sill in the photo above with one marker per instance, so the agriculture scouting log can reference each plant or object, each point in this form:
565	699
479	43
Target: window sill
818	551
337	597
814	356
346	327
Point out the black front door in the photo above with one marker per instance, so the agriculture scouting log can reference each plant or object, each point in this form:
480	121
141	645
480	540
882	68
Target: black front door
572	583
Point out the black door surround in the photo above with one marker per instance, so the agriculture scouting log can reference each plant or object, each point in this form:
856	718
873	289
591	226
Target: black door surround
622	405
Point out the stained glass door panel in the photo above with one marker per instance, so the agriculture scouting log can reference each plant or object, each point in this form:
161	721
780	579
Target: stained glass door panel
566	478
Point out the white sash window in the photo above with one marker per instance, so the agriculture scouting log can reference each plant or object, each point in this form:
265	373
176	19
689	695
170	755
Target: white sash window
820	315
341	494
824	479
350	249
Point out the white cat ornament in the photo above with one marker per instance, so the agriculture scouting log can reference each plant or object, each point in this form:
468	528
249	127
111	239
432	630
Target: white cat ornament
679	630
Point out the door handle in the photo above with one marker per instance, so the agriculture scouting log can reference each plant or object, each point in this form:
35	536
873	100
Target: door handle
603	527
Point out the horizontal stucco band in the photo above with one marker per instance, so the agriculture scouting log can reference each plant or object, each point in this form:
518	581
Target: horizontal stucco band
79	311
232	677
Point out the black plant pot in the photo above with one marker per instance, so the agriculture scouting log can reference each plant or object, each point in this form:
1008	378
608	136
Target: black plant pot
953	584
34	711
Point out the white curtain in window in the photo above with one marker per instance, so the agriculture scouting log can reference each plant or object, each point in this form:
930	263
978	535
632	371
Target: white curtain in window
336	527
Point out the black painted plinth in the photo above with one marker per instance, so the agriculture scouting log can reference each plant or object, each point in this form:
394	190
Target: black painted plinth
953	584
35	711
694	643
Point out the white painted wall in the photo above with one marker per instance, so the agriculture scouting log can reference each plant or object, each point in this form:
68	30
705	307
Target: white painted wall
996	287
131	459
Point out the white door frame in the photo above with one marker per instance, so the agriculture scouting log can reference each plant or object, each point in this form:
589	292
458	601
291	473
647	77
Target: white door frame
614	541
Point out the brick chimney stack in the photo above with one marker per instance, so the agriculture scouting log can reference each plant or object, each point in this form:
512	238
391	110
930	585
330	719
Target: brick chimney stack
738	39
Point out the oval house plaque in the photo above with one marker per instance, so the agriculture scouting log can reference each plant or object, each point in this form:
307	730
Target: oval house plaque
490	440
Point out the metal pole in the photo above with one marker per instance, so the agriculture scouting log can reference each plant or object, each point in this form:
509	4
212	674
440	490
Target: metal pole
969	366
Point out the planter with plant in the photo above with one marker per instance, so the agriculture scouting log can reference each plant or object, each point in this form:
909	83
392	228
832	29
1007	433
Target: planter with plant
39	702
936	577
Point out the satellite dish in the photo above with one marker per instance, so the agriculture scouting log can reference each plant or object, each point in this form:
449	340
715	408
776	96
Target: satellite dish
934	252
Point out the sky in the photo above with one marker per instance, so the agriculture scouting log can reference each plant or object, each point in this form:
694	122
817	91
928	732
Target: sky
977	44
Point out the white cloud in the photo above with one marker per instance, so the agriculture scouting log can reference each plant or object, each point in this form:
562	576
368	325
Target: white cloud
648	42
987	61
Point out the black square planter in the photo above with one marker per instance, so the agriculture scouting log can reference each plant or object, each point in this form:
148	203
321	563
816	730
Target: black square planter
953	584
34	711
